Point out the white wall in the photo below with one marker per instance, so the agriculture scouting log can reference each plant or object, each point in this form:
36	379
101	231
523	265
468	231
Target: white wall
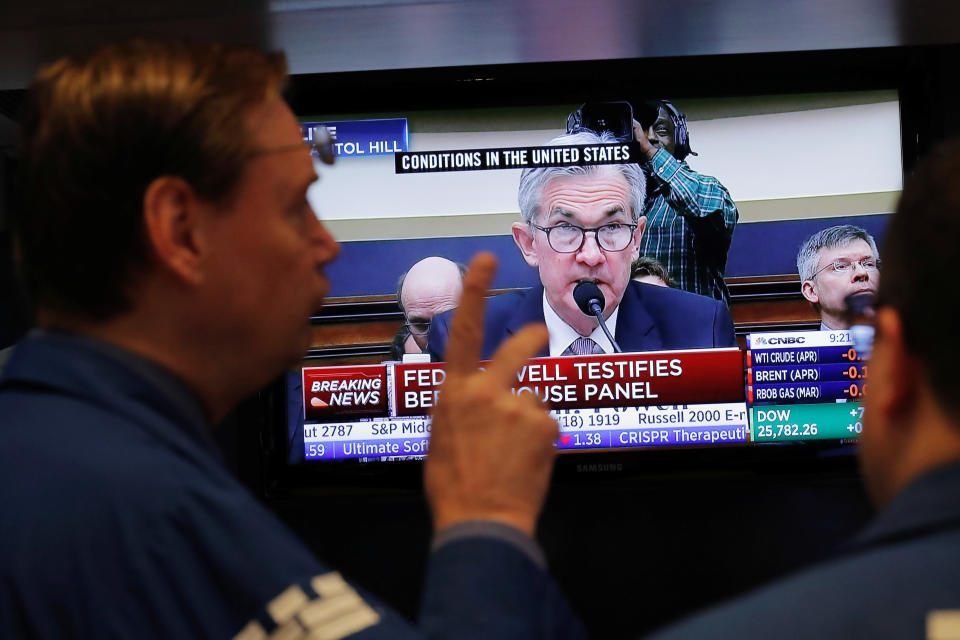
853	149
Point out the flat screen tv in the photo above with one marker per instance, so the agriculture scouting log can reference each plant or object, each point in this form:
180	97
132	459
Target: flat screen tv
440	178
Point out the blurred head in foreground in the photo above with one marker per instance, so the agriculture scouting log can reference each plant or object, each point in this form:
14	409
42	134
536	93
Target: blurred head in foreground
168	180
913	401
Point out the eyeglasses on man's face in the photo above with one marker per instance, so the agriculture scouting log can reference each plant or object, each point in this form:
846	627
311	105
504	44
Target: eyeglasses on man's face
418	327
844	267
569	238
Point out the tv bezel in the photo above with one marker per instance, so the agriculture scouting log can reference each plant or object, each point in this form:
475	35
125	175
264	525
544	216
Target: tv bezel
538	84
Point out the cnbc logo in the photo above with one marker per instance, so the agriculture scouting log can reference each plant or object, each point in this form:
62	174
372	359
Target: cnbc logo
774	340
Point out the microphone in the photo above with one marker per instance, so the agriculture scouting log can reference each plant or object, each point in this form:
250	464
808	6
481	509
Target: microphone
589	298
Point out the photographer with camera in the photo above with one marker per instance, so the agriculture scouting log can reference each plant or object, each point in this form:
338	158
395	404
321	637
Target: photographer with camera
690	216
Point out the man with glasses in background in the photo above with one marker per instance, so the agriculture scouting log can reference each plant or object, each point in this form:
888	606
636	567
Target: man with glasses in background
431	286
833	264
585	224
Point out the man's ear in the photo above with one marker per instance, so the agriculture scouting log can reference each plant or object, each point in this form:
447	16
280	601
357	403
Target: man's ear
171	213
809	291
637	234
523	236
898	370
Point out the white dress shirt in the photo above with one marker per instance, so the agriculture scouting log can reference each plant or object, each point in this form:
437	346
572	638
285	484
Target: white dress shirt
562	335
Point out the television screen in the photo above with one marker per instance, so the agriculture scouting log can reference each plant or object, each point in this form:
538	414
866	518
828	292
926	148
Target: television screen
416	184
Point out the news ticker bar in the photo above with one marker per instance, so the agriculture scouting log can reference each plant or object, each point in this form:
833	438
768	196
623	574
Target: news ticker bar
518	157
610	401
374	137
652	426
787	339
802	367
786	423
336	394
601	428
802	356
841	372
577	382
758	394
609	428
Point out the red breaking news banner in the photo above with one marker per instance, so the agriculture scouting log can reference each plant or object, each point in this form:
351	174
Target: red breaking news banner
618	380
336	393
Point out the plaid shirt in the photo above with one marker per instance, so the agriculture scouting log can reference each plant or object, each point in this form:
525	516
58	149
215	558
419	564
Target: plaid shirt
690	221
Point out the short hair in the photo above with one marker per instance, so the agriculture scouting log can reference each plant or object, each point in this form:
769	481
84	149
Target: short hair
532	181
645	266
838	236
920	241
462	268
97	129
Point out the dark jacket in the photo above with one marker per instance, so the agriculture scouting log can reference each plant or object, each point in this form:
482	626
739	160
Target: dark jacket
651	318
118	519
882	584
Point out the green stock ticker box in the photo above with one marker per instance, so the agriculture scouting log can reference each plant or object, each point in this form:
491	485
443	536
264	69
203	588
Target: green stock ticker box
791	422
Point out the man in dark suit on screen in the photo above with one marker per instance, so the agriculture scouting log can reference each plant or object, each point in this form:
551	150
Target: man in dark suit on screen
584	224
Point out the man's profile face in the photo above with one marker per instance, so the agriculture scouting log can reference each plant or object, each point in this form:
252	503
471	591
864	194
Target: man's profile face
586	201
662	132
269	248
829	288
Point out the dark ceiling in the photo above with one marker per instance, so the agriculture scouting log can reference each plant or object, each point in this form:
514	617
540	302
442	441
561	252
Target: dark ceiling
339	35
328	36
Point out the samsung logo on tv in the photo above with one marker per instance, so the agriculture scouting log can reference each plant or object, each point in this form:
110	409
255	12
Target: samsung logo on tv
599	468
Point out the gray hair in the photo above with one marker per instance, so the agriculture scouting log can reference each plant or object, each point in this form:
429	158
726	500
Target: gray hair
838	236
532	181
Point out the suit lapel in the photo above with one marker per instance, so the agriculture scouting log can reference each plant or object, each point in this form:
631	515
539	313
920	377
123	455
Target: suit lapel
636	329
529	309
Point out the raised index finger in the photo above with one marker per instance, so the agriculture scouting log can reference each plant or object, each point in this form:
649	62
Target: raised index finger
466	328
515	352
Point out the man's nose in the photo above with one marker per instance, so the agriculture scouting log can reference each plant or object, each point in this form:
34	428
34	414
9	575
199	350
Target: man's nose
591	253
421	341
652	137
327	247
860	273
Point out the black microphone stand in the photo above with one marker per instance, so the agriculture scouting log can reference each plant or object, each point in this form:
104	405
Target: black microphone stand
597	311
